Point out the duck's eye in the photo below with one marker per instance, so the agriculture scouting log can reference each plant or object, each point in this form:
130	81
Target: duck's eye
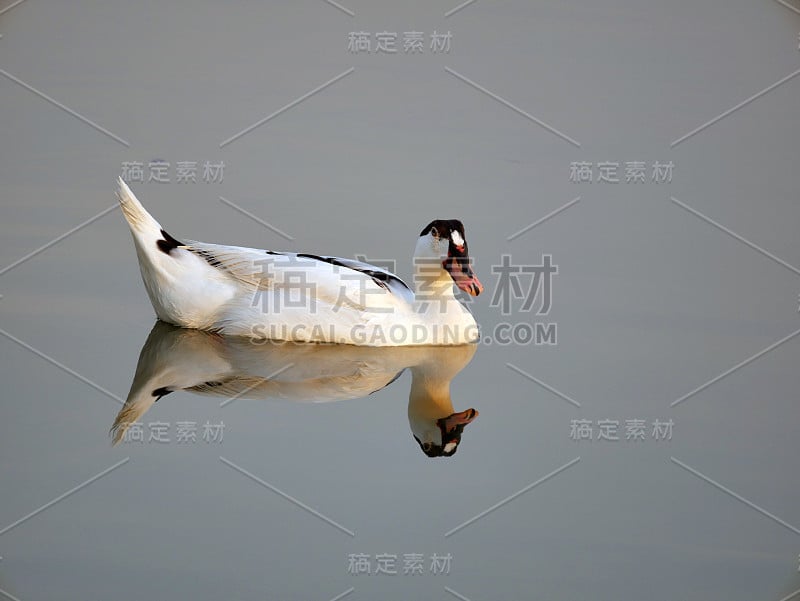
426	446
434	232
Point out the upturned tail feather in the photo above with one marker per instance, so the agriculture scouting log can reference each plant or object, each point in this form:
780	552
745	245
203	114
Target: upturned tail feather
139	220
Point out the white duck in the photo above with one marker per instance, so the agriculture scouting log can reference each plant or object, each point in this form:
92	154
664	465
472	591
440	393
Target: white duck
302	297
175	359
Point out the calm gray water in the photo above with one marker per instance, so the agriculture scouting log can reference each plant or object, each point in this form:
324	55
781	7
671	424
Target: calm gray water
664	289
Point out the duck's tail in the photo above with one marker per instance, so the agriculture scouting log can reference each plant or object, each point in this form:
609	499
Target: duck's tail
139	220
185	288
159	254
147	232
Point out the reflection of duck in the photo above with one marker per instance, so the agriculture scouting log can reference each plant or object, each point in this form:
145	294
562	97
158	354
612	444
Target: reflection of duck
302	297
181	359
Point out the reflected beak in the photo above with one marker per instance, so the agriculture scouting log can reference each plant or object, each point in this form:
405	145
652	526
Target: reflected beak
458	266
459	419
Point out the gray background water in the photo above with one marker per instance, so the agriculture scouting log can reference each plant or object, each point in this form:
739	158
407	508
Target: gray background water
651	301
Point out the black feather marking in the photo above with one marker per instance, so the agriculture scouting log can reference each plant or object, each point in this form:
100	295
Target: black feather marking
381	278
390	382
160	392
168	243
331	260
208	256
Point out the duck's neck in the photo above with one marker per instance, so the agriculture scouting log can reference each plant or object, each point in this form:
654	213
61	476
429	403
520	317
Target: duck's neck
429	398
431	280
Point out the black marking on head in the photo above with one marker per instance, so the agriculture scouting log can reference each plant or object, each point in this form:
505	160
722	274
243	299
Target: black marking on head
168	243
443	228
450	438
160	392
273	252
435	450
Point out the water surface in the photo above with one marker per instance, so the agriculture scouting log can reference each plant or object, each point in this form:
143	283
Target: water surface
651	300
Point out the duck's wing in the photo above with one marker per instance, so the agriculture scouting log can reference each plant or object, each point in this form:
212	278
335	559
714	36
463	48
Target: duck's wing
246	265
317	390
380	276
334	278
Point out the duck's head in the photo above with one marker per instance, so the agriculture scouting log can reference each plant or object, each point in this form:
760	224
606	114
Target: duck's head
444	243
440	438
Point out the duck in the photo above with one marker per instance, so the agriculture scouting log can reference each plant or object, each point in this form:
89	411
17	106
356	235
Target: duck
175	359
305	297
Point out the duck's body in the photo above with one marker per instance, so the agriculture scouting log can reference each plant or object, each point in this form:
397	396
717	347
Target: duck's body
303	297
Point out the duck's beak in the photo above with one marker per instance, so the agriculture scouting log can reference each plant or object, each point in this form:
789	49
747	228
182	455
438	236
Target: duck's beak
458	265
463	418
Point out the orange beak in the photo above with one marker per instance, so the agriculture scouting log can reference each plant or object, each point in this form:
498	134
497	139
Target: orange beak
459	419
460	270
